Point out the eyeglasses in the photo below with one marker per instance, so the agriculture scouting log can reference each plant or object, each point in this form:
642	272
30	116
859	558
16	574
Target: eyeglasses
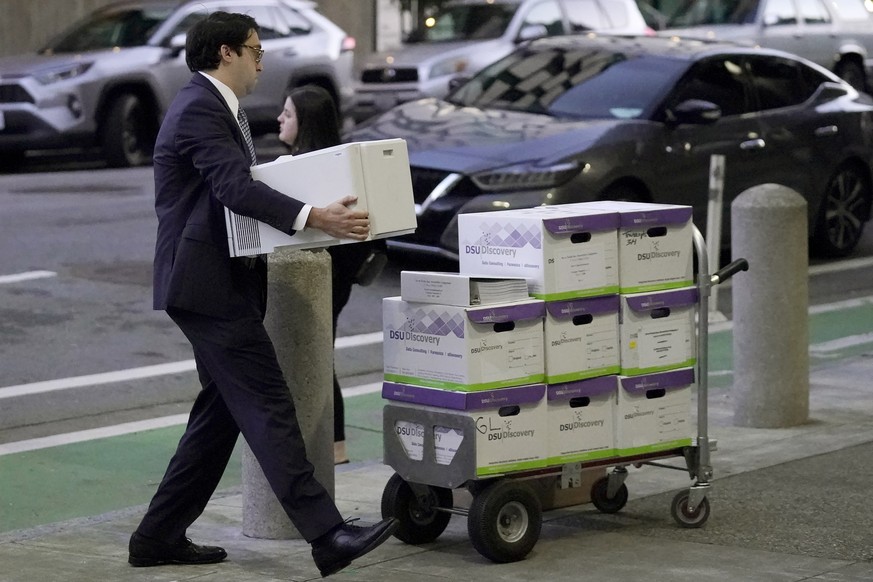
259	52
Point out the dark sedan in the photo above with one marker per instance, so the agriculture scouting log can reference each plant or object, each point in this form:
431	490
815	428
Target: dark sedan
590	118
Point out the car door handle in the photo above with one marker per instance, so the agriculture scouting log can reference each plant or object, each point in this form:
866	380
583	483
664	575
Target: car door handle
289	52
826	130
753	144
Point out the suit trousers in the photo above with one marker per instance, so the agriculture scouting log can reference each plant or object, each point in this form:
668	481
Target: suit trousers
243	390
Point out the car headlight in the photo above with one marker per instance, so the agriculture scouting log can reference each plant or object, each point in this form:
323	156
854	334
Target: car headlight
526	177
451	66
62	73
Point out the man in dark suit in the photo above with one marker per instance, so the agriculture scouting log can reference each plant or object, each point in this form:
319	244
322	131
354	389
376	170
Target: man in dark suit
202	164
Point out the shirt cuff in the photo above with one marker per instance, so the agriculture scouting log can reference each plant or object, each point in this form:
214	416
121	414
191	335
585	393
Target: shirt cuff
302	217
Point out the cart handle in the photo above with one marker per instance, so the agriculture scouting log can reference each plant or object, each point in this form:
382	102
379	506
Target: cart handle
729	271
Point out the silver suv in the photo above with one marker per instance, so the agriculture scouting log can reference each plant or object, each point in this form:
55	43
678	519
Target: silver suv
108	79
467	35
836	34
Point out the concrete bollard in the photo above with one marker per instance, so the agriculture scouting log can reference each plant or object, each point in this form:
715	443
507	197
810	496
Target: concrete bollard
770	308
299	321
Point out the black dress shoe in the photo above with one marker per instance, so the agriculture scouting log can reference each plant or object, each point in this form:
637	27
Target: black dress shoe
148	552
336	549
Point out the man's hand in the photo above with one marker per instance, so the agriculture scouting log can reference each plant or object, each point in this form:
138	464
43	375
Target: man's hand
340	221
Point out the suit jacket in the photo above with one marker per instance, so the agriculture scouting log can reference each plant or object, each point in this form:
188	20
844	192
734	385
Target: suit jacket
201	165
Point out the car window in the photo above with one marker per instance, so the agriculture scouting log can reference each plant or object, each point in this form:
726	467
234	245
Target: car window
718	80
295	23
186	23
616	13
813	12
780	13
579	83
780	82
465	22
707	12
853	9
547	14
585	15
271	26
109	29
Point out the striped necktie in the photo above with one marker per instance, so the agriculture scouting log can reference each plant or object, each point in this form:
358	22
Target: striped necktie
250	262
247	134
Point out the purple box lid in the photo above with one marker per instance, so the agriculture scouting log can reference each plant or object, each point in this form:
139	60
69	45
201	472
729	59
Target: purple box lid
463	400
655	217
589	387
657	299
507	312
582	223
662	380
569	308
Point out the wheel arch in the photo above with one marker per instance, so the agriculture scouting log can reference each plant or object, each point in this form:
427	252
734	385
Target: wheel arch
138	88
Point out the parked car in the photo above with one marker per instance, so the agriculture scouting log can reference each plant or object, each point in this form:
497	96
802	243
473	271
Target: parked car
836	34
582	118
467	35
108	79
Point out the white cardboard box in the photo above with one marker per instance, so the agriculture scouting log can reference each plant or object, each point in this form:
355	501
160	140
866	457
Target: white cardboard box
655	245
562	252
510	425
657	331
377	172
581	420
463	348
653	412
460	289
581	338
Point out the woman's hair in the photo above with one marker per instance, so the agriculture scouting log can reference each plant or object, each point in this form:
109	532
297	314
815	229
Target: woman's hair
205	38
318	124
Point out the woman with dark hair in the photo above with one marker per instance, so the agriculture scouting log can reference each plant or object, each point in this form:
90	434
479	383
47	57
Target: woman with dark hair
308	122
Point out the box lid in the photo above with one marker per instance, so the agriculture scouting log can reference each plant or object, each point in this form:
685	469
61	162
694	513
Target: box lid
463	400
658	299
582	222
588	387
660	381
507	312
570	308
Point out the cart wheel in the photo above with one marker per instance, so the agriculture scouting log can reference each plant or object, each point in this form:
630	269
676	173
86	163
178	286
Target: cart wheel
602	502
420	520
684	517
504	521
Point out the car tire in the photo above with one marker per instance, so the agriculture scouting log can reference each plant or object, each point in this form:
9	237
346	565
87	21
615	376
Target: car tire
853	73
622	193
844	210
126	134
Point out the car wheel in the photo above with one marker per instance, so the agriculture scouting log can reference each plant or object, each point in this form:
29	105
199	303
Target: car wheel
853	73
844	210
126	133
623	193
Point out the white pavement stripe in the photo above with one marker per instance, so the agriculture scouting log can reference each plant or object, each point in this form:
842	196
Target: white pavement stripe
96	379
842	343
846	265
17	278
92	434
132	427
354	341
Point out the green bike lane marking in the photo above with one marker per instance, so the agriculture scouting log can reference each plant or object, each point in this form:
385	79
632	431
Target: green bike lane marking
94	477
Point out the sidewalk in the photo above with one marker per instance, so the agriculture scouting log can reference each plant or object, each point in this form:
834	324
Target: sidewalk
787	505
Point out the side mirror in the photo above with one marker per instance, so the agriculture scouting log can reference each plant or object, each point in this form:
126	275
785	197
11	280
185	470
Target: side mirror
532	31
177	44
458	82
695	112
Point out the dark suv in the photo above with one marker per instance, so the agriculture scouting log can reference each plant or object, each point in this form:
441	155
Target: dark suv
108	79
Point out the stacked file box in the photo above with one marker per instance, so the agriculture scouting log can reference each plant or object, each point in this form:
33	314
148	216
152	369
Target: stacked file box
612	283
464	370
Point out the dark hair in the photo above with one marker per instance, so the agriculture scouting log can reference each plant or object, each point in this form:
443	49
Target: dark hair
204	40
317	120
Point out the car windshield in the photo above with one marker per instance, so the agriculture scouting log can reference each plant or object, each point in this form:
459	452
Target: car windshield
709	12
579	83
126	27
465	22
